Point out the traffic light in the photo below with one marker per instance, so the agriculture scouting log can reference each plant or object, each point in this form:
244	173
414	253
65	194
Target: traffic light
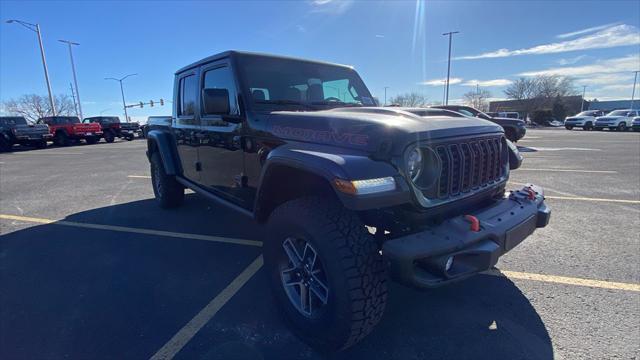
141	105
151	103
161	102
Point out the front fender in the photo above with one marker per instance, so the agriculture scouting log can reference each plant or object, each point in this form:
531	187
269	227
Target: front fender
163	142
332	163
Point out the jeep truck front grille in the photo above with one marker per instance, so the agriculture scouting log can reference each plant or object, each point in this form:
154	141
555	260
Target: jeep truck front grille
467	166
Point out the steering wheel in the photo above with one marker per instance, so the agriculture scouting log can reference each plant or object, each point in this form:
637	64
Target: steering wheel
331	98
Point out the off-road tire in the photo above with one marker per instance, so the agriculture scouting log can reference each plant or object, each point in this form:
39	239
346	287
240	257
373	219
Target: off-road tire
109	136
355	272
91	140
129	138
168	191
61	139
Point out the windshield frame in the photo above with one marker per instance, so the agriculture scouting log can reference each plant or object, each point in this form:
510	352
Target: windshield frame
251	105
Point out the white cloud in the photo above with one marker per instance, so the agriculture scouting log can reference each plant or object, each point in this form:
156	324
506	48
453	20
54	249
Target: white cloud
618	87
586	31
440	82
335	7
301	28
628	63
379	36
571	61
487	83
615	36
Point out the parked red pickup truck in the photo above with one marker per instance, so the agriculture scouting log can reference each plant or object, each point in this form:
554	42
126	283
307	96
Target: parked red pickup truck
68	129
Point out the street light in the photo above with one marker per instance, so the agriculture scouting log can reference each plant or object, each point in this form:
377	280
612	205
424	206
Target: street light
36	28
385	95
73	69
450	34
584	88
633	93
124	104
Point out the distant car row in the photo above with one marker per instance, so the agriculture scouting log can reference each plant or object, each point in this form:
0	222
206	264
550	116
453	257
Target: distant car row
63	130
620	120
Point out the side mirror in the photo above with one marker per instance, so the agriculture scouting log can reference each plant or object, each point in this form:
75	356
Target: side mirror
216	101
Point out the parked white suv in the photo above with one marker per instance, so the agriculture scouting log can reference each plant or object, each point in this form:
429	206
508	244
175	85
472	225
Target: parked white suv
636	123
584	120
620	120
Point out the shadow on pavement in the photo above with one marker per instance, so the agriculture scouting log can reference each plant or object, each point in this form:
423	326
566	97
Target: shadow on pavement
87	293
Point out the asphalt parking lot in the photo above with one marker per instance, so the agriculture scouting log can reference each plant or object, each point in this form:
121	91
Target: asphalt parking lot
91	268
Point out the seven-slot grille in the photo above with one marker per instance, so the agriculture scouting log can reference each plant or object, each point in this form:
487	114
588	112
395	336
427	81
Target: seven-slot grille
468	165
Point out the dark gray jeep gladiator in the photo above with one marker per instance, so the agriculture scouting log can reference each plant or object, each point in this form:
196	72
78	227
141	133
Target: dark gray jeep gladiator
16	130
350	194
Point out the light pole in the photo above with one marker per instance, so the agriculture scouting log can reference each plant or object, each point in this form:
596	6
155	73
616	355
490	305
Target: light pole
584	89
385	95
36	28
73	69
124	104
450	34
633	93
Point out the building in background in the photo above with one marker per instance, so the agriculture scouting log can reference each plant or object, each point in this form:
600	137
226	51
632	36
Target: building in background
610	105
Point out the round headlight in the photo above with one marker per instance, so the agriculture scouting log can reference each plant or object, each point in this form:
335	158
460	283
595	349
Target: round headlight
414	164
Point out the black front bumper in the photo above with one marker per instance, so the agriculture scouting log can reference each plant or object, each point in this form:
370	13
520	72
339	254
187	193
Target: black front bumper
420	259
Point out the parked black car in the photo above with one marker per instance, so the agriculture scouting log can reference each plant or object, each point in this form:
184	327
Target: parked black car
113	128
300	147
514	129
16	130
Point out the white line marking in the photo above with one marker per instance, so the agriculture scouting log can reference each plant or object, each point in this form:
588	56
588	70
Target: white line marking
182	337
134	230
592	199
571	170
139	176
560	149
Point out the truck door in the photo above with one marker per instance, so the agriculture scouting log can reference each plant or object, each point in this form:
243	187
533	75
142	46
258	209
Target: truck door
186	124
220	149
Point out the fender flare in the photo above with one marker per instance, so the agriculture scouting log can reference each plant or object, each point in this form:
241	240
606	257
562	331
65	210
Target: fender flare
330	164
163	142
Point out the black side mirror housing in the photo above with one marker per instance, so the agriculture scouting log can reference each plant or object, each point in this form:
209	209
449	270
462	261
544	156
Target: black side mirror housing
215	101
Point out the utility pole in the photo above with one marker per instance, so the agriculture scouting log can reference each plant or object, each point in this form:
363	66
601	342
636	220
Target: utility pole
444	89
73	96
124	104
633	93
584	89
385	95
478	96
75	80
36	28
450	34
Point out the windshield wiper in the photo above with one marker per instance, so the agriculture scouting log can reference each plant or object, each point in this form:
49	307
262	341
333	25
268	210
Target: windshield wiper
285	102
333	102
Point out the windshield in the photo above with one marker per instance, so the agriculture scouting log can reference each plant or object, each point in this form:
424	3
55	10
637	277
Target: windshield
287	84
111	120
618	113
587	113
13	121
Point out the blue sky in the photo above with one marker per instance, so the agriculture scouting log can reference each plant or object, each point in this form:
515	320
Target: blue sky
391	43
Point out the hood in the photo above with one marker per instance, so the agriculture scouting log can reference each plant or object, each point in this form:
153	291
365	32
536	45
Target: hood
371	128
508	121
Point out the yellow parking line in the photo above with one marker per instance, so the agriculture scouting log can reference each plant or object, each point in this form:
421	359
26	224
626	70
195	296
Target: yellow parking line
600	284
139	176
182	337
134	230
592	199
573	170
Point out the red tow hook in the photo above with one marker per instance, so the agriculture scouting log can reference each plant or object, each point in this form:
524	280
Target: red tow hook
531	193
475	223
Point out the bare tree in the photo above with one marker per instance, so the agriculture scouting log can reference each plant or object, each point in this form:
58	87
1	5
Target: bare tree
477	99
521	89
412	99
33	106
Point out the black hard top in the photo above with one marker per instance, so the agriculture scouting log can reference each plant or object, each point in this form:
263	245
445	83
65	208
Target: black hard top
236	53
